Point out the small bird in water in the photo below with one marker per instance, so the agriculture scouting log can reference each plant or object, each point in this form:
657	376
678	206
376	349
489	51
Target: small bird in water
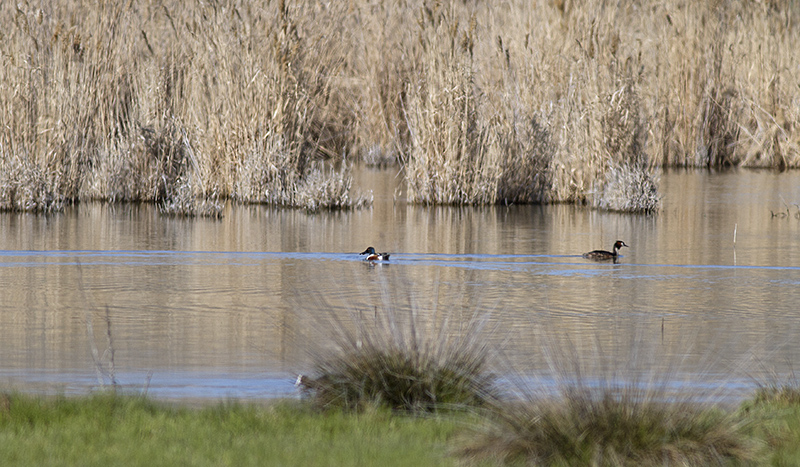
372	256
603	255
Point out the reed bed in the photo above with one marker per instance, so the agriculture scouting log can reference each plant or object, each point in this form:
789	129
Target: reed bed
179	104
518	102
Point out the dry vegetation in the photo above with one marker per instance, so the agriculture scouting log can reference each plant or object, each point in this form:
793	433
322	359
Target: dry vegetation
178	103
190	103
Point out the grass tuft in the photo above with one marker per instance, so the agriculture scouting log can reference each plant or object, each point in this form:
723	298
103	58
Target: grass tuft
776	391
406	358
402	380
777	394
606	427
598	407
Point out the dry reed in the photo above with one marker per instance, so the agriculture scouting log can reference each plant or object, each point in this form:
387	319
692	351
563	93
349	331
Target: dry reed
178	104
543	101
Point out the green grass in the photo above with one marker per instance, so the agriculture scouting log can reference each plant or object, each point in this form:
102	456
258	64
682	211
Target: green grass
107	429
777	425
774	412
120	430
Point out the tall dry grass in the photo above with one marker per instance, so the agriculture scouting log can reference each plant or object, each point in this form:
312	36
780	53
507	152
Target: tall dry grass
542	101
449	160
594	96
177	103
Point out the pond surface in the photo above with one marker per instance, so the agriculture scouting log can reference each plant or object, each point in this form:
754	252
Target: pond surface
237	307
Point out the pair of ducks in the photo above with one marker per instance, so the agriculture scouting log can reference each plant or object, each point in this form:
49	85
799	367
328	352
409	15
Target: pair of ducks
596	255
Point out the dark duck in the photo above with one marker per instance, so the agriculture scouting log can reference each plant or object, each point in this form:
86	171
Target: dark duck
603	255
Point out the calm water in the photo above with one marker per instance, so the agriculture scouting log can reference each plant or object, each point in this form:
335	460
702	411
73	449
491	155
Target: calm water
237	307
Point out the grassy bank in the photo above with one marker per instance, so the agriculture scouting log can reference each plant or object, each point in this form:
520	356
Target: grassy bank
187	104
117	430
122	430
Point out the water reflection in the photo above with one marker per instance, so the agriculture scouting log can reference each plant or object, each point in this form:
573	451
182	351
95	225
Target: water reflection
205	308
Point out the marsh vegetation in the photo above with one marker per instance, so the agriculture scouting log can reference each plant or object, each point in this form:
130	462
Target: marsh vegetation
617	420
191	104
586	428
402	359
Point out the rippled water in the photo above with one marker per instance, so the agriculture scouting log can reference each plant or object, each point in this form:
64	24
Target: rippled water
237	307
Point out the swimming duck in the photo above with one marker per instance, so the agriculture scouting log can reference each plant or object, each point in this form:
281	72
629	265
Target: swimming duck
372	256
603	255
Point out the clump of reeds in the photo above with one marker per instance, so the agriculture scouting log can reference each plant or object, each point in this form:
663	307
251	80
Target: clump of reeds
467	147
603	426
449	161
620	176
521	133
526	170
25	186
627	188
404	379
404	358
603	157
330	190
486	127
317	188
601	409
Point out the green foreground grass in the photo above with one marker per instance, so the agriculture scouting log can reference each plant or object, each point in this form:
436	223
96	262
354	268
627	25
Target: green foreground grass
114	430
122	430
